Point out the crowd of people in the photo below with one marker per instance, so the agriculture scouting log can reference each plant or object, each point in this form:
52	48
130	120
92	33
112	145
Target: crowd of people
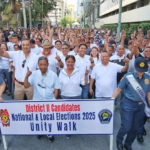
74	63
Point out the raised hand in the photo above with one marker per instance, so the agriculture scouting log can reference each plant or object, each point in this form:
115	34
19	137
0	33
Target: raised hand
87	71
28	72
91	91
57	57
126	60
91	58
139	30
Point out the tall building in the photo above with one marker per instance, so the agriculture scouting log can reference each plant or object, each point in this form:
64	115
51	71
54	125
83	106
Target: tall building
133	11
71	8
55	15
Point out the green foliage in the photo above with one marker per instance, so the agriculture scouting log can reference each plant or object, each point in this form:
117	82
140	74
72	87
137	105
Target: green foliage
36	9
114	27
66	21
129	28
86	26
63	22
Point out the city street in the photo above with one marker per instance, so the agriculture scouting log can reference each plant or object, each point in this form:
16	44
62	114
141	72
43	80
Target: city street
80	142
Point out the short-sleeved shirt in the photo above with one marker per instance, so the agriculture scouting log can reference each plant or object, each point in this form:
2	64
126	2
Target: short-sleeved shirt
82	63
70	85
130	93
1	81
50	82
4	63
106	78
36	50
18	57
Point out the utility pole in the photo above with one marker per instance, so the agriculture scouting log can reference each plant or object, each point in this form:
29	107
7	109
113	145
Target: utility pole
119	18
0	12
24	14
93	21
30	17
42	13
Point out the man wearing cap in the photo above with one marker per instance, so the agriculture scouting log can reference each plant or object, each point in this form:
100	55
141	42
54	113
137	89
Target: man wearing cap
92	44
47	47
54	38
135	100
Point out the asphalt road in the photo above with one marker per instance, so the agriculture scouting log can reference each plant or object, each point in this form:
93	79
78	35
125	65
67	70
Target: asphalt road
76	142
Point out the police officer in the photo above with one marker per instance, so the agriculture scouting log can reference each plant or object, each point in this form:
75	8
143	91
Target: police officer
137	89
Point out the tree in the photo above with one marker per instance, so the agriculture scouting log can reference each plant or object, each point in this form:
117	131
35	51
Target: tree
67	20
36	9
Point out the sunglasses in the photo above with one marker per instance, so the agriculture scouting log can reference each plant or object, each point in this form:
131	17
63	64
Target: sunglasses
23	63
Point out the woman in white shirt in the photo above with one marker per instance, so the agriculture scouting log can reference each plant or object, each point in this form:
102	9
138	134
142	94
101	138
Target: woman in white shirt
95	59
5	74
71	79
94	56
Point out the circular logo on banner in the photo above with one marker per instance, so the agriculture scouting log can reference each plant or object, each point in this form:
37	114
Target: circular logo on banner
146	81
142	64
4	117
105	116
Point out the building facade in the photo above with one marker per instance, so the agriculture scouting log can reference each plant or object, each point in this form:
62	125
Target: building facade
133	11
58	13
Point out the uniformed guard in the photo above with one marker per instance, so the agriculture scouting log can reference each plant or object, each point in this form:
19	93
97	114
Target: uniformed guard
137	91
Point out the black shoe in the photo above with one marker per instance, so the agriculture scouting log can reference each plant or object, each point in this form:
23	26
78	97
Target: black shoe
127	148
140	138
51	139
40	137
119	146
144	132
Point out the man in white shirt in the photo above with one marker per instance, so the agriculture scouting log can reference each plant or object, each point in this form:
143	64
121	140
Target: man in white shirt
50	56
54	38
92	43
45	83
22	60
105	75
10	45
58	45
34	48
15	39
83	62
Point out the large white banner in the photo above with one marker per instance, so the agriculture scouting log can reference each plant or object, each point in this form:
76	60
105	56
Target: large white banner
57	117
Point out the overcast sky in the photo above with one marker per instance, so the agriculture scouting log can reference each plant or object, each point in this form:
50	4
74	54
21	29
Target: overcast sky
72	2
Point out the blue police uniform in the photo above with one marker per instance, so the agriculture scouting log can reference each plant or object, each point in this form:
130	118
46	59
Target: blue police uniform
132	106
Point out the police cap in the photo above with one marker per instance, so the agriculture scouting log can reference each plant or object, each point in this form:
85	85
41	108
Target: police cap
141	64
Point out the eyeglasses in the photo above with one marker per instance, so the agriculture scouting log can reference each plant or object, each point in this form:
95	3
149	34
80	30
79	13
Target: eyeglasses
41	84
23	63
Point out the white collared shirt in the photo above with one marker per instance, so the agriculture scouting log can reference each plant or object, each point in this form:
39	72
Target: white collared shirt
82	63
18	57
106	78
44	86
36	50
70	85
10	46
